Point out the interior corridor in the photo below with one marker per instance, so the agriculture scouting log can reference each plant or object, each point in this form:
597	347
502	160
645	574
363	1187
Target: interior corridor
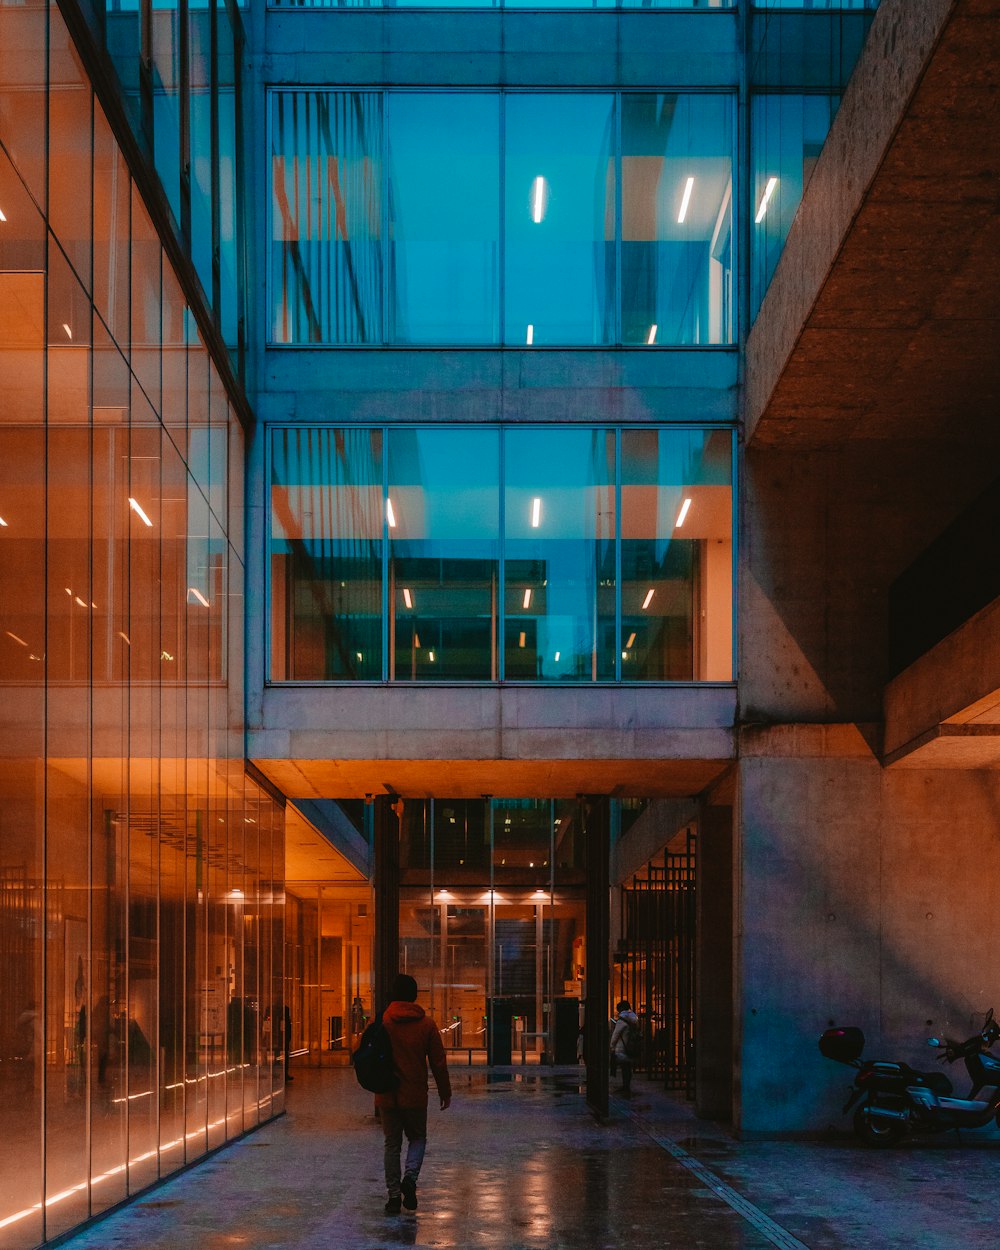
518	1163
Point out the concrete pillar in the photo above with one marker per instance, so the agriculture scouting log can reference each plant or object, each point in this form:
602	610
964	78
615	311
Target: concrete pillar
714	963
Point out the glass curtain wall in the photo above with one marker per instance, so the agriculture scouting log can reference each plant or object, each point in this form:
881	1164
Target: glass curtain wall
474	554
787	133
140	868
536	219
492	924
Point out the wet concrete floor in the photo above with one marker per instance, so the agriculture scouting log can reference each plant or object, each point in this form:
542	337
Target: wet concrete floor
518	1163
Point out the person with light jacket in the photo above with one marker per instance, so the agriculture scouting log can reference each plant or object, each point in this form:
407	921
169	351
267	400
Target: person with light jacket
416	1042
625	1021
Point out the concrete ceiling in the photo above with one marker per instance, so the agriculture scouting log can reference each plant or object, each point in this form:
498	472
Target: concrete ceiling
468	779
883	319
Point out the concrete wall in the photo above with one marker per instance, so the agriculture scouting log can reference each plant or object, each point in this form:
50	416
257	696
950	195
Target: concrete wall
865	897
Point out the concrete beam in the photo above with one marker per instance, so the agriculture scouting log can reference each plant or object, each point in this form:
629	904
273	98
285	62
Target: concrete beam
882	318
944	710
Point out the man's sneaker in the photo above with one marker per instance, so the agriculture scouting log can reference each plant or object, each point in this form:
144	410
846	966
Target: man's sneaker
392	1204
409	1188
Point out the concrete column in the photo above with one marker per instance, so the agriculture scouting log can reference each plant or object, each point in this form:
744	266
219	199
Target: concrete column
386	885
596	824
714	963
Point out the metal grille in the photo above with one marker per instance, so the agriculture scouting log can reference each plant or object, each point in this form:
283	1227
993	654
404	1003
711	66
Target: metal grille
655	961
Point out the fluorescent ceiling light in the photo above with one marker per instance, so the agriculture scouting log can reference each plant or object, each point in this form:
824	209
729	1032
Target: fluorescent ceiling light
768	192
536	513
193	590
390	516
406	597
3	215
16	639
624	655
651	336
538	199
530	338
522	639
685	201
360	656
78	600
648	599
631	639
527	598
3	523
558	653
136	508
430	656
128	640
416	641
69	332
682	515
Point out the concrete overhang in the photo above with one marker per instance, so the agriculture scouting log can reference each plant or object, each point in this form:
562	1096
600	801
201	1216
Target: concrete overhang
881	322
462	742
944	710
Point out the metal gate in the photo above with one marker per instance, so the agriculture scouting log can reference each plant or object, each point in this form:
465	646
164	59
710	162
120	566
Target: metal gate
655	961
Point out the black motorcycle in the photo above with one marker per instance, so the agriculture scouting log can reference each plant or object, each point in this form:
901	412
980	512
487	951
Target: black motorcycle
896	1099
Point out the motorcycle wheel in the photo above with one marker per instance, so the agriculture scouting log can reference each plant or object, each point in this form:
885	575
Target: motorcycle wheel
878	1133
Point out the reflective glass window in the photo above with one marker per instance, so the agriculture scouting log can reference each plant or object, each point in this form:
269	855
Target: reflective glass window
676	555
200	137
559	554
444	217
559	219
443	512
229	310
677	214
327	526
70	151
787	135
165	73
326	217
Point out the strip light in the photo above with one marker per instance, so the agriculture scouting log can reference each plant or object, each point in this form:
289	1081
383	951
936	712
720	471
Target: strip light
390	516
685	201
522	639
536	513
538	199
527	598
406	597
137	509
768	192
648	599
3	215
651	336
3	523
192	590
16	639
530	338
682	515
631	639
69	332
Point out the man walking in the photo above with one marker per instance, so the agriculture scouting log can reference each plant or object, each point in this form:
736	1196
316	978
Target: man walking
416	1042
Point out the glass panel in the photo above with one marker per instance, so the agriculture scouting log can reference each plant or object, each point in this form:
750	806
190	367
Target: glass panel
123	38
326	554
230	306
677	606
112	195
146	255
200	139
23	51
326	217
816	4
677	265
444	529
788	133
70	146
22	305
559	579
444	227
559	268
165	75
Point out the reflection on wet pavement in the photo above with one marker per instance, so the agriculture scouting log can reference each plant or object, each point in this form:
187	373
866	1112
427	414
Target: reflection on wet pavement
518	1163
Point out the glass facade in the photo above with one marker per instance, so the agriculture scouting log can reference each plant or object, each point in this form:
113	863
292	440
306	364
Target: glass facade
471	553
518	4
492	923
140	866
471	218
788	131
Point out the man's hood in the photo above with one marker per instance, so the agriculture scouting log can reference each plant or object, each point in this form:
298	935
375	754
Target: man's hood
403	1013
629	1017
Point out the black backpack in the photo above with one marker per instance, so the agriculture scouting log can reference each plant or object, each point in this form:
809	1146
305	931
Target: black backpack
633	1041
373	1063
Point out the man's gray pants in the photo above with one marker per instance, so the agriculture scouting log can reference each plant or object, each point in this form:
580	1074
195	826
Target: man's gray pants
395	1122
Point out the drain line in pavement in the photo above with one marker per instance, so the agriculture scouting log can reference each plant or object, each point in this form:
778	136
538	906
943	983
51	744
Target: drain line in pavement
774	1233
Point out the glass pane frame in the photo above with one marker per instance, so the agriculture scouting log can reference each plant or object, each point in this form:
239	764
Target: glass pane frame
390	609
607	337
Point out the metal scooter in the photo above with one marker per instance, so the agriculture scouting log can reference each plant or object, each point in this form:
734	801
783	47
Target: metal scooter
896	1099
